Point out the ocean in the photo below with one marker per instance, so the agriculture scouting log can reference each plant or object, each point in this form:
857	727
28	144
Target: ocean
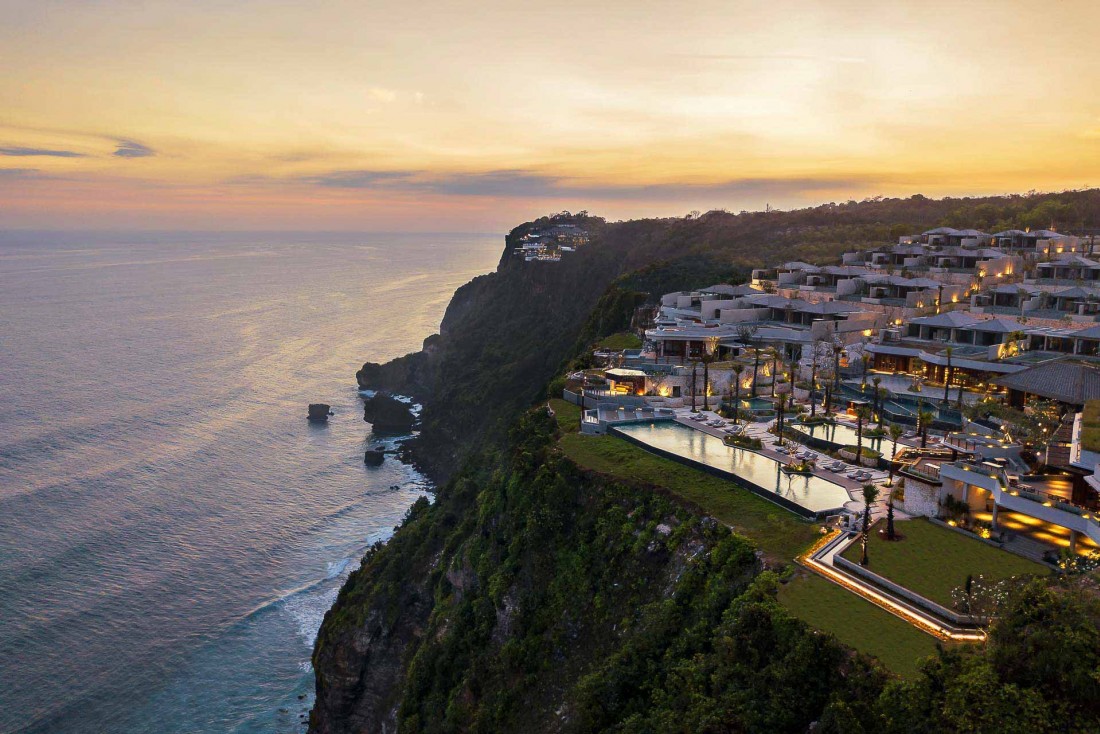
172	529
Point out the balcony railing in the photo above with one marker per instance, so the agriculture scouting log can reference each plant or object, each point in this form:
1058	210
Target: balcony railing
925	471
1027	492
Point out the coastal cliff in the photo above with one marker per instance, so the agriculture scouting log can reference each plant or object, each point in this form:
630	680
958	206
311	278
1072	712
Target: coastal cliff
532	596
535	596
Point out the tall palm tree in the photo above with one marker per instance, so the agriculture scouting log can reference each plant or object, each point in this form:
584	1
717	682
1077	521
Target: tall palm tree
775	366
895	434
837	349
706	359
813	379
865	357
875	394
755	369
924	417
738	368
861	414
870	494
947	376
890	534
694	365
781	404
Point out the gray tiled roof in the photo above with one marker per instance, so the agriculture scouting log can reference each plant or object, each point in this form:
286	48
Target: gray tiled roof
951	319
1064	381
1004	326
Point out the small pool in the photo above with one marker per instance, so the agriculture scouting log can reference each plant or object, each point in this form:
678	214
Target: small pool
813	493
757	405
846	436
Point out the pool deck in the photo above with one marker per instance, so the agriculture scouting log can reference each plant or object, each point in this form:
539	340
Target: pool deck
759	429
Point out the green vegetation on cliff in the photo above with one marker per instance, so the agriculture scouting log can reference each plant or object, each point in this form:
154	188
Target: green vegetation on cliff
533	596
776	531
560	600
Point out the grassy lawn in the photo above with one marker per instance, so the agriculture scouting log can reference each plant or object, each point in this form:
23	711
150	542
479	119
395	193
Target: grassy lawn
567	415
932	560
857	623
1090	426
618	342
777	532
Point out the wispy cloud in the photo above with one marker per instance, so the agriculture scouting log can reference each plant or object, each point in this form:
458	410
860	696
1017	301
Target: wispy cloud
362	179
17	151
9	174
518	183
132	149
813	58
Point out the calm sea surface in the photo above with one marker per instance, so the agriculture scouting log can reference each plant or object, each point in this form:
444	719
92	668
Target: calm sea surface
172	529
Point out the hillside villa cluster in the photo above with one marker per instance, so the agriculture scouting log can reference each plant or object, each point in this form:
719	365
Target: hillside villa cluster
548	244
983	348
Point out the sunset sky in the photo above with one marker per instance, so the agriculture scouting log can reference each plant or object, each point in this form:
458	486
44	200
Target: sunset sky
411	115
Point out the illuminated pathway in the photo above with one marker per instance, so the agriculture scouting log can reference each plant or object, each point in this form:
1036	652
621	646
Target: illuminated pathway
820	560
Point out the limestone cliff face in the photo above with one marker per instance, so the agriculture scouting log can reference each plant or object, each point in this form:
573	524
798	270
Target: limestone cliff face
502	338
533	597
364	646
419	622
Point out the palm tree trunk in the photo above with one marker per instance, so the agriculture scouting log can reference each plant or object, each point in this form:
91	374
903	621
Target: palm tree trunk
736	399
859	436
693	387
706	384
755	370
813	383
864	560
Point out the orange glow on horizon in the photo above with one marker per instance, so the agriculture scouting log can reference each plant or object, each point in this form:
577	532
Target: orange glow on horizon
344	115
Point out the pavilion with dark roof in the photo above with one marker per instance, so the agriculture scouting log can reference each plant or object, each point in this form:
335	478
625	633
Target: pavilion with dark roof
1065	381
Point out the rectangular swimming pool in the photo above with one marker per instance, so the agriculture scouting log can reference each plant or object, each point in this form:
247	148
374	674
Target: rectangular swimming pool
812	493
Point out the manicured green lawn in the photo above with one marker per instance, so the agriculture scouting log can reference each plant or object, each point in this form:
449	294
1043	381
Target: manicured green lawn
932	560
777	532
618	342
1090	426
857	623
567	415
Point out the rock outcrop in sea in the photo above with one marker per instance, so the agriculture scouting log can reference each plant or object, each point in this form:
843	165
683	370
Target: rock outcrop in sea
387	414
